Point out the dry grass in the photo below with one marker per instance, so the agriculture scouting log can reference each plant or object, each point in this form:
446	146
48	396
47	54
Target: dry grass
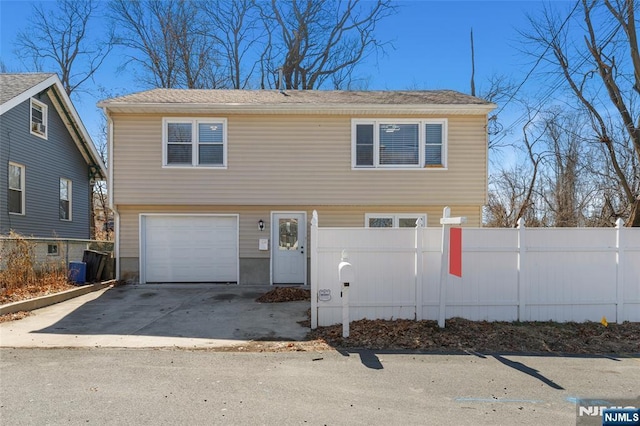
22	278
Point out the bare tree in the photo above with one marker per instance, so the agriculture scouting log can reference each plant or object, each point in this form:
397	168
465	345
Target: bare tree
314	40
59	37
236	28
513	194
168	40
610	54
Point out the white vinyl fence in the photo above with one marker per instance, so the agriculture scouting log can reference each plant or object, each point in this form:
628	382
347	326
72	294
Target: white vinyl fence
523	274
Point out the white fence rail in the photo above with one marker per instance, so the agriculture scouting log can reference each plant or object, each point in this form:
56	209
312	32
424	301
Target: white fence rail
523	274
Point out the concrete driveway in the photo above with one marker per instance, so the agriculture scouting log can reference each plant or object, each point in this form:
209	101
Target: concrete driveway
164	315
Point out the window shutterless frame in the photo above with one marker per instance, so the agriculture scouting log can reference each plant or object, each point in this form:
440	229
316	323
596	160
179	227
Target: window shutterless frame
65	205
399	144
38	119
16	189
194	142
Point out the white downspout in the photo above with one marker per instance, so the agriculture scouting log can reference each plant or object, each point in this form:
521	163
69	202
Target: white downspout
116	215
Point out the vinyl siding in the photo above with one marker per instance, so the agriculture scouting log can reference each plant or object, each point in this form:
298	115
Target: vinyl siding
328	216
293	160
45	161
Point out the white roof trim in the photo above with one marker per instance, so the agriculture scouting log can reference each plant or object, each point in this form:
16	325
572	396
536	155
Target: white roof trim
11	103
57	85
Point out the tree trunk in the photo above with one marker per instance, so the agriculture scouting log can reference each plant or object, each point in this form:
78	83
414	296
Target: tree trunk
634	217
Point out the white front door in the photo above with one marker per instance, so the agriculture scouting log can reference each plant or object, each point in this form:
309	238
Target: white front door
288	248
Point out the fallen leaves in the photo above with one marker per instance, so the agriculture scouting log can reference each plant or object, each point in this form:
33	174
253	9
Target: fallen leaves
462	335
32	291
285	294
14	316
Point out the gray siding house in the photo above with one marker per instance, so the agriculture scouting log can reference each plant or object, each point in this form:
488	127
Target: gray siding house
48	162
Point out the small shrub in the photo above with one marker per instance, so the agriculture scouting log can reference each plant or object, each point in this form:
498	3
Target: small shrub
22	277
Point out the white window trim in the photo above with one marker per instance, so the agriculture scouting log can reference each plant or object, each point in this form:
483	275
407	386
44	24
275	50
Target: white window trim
194	144
70	195
22	188
395	217
45	119
421	142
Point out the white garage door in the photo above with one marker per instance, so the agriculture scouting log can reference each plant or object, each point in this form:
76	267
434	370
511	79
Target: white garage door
199	248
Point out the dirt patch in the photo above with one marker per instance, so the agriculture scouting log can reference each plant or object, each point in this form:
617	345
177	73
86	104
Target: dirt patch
275	346
462	335
285	294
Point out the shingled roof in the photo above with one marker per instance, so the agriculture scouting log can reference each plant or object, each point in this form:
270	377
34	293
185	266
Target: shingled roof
307	97
12	85
298	102
18	88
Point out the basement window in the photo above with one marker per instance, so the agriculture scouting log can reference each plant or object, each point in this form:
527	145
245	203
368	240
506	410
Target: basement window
391	220
52	250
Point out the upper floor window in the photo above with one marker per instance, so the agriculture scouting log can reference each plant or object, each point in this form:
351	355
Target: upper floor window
65	199
16	188
38	120
396	143
195	142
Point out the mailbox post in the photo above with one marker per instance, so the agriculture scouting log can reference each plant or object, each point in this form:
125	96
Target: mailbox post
446	223
345	276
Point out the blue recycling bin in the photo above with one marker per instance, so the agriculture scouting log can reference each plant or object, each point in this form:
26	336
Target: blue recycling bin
77	272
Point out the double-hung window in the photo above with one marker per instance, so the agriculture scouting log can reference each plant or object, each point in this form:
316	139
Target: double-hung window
38	120
195	142
65	199
16	188
399	144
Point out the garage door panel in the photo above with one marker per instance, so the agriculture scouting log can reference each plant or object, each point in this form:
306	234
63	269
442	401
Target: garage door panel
190	248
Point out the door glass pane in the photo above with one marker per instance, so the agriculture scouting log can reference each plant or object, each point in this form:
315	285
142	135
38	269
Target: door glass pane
288	234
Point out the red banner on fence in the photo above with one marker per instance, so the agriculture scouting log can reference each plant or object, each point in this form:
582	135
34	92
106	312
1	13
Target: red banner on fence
455	252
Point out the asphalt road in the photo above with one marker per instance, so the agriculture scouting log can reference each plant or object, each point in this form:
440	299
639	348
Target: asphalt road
156	387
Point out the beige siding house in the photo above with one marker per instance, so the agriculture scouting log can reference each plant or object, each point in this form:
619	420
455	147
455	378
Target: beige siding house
219	185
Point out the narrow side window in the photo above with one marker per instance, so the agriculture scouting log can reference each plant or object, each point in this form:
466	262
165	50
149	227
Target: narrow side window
38	120
16	188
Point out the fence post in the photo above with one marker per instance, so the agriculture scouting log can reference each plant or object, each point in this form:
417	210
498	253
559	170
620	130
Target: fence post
619	271
444	268
314	270
520	267
419	271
